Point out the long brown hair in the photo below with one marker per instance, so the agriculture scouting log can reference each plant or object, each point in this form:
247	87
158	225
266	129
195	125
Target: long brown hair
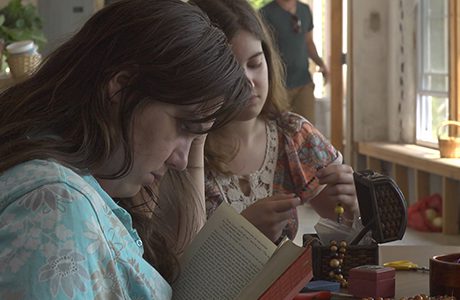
172	53
232	16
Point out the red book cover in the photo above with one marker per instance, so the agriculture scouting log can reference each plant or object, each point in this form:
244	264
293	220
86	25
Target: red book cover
294	278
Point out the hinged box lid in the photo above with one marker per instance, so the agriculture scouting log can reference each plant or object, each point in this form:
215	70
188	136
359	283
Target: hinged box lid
382	206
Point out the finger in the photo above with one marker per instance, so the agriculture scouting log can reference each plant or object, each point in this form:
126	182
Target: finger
270	207
336	172
346	201
342	193
286	204
341	189
334	168
272	201
277	230
337	179
281	196
349	203
283	216
327	171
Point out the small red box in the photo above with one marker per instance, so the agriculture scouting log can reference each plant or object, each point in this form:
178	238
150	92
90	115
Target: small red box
372	281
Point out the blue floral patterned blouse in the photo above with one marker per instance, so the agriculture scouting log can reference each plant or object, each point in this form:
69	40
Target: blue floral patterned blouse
63	237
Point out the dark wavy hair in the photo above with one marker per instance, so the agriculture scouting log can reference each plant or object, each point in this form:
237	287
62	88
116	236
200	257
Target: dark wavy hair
172	54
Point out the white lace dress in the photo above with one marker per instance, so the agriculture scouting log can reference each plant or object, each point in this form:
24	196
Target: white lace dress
295	150
260	182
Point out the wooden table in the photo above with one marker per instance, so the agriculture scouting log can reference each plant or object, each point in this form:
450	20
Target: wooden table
411	283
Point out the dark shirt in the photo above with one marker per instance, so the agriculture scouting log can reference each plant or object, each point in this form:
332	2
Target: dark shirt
291	44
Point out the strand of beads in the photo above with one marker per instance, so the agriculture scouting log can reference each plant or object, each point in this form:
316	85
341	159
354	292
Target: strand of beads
338	251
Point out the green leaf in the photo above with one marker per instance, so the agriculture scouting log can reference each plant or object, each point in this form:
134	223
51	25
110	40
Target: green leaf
20	22
257	4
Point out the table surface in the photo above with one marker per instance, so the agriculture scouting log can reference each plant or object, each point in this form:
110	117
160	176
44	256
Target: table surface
411	283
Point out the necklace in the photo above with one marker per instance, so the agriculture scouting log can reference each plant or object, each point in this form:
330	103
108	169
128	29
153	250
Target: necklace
338	251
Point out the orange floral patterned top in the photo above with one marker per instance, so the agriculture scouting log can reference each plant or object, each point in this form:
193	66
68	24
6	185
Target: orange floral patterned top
295	151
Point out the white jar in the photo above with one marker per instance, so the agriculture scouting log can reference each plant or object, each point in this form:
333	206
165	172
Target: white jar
22	47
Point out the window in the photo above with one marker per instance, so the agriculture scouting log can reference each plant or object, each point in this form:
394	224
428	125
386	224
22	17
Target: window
433	69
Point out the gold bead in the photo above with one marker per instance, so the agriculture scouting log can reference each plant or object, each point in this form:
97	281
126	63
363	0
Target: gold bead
334	263
343	244
339	209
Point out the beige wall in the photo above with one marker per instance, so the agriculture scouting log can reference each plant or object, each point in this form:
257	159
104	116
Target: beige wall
383	95
370	70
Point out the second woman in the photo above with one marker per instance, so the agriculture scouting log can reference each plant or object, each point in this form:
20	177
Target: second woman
268	161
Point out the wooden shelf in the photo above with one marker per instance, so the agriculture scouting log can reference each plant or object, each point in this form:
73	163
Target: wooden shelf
424	161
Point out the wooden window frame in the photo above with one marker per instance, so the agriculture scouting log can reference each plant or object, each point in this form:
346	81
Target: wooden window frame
421	90
454	60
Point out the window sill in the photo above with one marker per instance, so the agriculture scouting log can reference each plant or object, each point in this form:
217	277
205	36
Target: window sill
413	156
424	161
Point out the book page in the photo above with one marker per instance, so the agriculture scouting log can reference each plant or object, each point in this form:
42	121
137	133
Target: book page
282	259
224	257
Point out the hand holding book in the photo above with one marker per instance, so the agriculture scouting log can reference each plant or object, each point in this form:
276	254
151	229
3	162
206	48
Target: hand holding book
231	259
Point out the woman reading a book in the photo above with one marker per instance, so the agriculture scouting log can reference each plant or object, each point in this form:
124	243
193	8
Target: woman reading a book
107	114
267	161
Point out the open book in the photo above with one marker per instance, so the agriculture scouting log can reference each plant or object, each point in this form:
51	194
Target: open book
232	259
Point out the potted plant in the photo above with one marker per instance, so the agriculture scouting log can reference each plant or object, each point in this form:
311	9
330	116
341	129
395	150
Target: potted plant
21	22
